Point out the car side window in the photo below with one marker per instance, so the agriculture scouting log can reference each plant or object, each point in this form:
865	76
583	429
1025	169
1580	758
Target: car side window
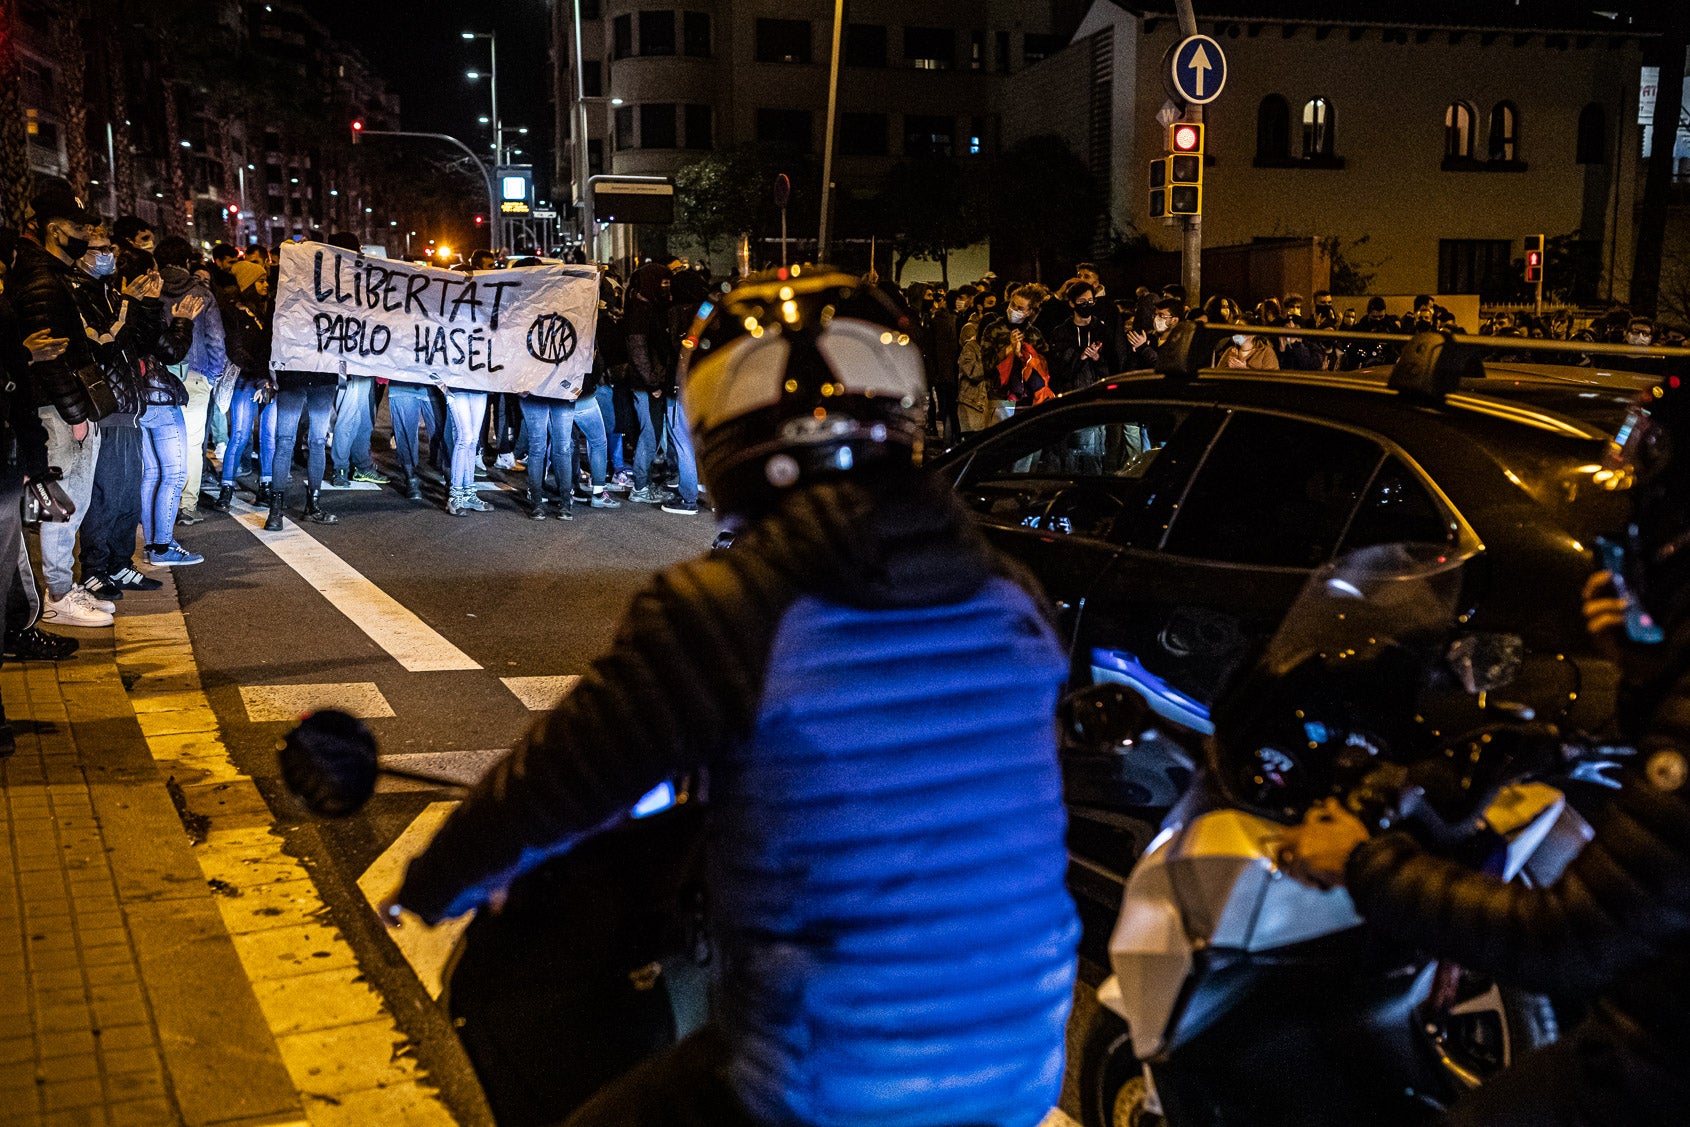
1274	492
1073	473
1397	508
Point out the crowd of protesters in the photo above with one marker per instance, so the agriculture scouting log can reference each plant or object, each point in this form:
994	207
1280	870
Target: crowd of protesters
139	394
994	346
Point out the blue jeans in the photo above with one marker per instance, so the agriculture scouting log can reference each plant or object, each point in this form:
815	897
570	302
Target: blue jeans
550	423
606	397
164	471
590	423
314	402
645	448
409	404
242	410
467	409
680	441
351	447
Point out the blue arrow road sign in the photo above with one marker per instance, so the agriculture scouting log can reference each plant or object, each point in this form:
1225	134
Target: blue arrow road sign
1198	70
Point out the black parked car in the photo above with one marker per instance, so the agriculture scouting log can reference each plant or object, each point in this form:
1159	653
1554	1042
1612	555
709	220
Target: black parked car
1172	522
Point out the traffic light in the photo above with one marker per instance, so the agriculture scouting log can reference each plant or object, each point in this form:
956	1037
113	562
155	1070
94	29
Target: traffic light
479	221
357	129
1185	168
1159	188
1534	258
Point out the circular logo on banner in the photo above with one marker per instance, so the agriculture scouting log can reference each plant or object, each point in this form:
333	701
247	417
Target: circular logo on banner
551	338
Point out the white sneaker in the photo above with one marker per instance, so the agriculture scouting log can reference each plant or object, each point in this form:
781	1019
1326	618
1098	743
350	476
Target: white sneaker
90	600
69	612
505	462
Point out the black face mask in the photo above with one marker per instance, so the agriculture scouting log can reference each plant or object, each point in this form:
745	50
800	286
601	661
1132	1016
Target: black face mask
76	248
1085	308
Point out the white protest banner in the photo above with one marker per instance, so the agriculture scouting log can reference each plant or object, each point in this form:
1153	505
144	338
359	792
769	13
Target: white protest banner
528	330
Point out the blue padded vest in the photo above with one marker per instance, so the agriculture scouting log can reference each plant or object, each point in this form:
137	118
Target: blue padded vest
898	941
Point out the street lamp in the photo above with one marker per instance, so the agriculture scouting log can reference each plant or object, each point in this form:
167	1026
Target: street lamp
492	83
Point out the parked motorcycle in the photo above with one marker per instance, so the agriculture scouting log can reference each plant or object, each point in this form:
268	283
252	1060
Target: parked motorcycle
1242	997
597	959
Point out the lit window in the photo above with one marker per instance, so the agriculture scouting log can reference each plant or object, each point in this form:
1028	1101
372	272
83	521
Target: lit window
1504	121
1317	128
1460	124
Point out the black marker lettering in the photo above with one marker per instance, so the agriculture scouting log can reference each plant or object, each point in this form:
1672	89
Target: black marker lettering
317	280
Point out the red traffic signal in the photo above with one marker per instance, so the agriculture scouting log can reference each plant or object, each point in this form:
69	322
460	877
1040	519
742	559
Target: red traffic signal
1534	258
357	129
479	220
1185	137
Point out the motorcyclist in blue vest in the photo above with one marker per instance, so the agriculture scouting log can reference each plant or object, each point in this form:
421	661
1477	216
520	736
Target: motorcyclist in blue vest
869	693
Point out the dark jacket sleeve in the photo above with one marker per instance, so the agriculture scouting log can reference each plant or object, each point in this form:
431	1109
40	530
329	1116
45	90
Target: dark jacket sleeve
174	342
44	302
21	414
682	681
1622	903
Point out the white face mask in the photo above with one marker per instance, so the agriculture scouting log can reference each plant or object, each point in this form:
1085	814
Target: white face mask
1240	340
1016	316
1162	324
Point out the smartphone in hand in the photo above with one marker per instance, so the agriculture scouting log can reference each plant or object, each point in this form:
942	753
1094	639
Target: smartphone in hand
1640	628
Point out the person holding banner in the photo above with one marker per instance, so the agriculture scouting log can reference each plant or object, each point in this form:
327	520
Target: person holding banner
309	395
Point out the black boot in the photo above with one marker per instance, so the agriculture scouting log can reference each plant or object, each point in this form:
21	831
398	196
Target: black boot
273	523
263	495
536	505
8	740
314	512
413	486
225	497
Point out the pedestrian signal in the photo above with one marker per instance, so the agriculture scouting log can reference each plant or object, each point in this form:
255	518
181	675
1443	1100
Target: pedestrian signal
1159	188
357	129
1534	258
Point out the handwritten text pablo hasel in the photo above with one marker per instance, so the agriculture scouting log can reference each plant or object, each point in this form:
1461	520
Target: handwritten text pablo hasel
365	284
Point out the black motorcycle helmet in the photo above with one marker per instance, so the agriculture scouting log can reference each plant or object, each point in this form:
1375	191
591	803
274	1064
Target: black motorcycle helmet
797	375
1651	454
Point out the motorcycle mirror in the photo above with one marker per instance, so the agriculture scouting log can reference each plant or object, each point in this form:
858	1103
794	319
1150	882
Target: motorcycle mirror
1484	663
1104	716
329	763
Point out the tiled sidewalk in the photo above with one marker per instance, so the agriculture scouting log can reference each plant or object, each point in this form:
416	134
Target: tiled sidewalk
150	977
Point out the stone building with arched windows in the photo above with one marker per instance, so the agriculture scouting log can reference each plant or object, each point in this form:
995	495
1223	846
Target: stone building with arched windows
1443	138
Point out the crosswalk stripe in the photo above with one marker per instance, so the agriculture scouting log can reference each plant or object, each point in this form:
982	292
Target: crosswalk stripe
464	768
427	949
538	694
266	703
408	639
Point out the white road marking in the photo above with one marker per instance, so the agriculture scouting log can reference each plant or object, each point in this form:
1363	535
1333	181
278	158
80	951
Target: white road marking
265	703
427	949
462	767
408	639
538	694
367	486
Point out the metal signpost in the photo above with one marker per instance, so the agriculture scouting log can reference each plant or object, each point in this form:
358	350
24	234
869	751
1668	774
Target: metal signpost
1195	73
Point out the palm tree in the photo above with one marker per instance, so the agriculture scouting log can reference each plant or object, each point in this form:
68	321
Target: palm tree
70	52
16	180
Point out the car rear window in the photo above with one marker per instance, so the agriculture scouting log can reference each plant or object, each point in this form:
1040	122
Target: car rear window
1274	492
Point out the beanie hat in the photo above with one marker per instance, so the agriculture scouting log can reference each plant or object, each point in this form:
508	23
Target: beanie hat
247	274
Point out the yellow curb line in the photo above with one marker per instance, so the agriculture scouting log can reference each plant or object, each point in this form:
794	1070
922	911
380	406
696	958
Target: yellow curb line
343	1050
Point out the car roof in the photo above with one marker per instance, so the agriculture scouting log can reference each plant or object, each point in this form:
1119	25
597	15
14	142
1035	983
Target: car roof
1562	400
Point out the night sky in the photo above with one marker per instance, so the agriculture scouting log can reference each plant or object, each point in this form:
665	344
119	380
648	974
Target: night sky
418	47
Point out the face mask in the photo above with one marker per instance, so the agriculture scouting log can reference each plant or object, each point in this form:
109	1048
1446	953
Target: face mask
1085	308
1240	339
1161	324
1016	316
101	265
1637	338
75	248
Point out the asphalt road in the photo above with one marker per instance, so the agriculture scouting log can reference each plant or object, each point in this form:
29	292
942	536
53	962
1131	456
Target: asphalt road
519	598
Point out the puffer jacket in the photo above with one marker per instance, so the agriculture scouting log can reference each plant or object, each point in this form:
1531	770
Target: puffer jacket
206	355
20	415
121	331
888	868
40	286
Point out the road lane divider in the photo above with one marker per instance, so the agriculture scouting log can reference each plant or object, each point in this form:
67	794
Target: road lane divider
407	639
541	694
